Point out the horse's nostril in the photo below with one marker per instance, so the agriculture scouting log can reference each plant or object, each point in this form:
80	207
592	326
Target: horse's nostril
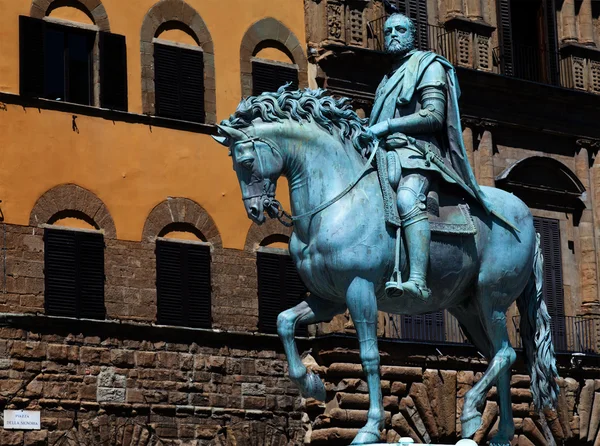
254	211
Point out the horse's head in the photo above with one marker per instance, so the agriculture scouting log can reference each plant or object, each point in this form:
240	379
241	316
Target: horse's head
258	164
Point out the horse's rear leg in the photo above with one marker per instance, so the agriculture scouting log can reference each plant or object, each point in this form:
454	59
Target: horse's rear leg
362	304
310	311
498	372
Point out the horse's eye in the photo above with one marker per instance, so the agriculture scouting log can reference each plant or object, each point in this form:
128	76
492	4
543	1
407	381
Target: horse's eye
247	163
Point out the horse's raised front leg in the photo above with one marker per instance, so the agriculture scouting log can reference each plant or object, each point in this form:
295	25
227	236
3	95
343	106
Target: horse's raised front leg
362	304
310	311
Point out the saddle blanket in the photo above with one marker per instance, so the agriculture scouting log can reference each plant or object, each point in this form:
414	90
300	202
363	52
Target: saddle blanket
452	218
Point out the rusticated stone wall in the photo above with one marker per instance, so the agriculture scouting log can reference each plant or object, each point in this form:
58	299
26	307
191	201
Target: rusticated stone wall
130	384
424	386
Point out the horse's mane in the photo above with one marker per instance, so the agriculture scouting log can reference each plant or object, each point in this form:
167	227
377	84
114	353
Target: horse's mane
328	112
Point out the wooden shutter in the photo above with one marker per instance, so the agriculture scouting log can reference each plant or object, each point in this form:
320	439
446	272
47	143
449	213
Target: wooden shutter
113	71
192	85
90	260
74	274
549	231
279	288
551	41
417	11
31	56
179	82
60	273
183	284
424	327
269	77
505	35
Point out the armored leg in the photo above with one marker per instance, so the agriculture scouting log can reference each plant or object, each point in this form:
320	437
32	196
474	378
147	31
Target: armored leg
413	213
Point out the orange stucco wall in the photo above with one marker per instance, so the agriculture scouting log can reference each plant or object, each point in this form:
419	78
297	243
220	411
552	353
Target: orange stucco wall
131	167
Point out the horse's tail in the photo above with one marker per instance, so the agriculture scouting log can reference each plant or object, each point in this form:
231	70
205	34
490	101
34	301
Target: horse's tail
537	337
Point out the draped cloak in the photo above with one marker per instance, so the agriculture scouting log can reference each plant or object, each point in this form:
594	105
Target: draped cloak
400	89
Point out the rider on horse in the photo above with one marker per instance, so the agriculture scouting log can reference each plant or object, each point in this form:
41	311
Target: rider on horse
416	114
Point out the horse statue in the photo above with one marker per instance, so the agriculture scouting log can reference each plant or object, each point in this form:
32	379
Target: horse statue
344	251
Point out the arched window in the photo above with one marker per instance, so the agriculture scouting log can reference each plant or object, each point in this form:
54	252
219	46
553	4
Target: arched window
67	53
183	262
178	75
274	59
73	251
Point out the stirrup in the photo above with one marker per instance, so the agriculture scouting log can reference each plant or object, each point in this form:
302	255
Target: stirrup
422	292
393	289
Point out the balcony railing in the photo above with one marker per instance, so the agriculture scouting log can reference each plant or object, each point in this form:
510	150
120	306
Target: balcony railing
570	334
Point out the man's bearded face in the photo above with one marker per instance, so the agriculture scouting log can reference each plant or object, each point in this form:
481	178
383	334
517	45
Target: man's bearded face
399	34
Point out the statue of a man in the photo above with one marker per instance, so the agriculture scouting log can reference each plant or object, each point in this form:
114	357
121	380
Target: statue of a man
416	115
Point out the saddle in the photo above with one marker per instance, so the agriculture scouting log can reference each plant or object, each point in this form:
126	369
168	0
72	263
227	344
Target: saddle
447	213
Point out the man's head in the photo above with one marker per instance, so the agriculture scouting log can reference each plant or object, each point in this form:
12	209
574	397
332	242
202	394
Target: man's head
399	32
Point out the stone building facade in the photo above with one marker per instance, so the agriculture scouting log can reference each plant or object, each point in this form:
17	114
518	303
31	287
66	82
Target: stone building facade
123	159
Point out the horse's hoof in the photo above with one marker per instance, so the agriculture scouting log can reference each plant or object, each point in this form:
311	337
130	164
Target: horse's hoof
366	436
470	426
312	387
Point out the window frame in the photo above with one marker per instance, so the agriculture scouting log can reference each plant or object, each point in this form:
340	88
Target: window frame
78	309
161	320
184	47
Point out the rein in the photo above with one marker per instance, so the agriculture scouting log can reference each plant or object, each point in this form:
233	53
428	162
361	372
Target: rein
274	208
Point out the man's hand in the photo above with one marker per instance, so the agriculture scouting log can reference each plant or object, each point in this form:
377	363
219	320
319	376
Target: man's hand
380	129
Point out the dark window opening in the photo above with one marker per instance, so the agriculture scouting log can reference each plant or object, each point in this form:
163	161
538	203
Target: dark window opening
179	82
74	274
279	288
528	40
424	327
269	77
183	284
56	62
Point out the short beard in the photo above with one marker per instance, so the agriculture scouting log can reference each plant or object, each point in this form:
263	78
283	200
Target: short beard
399	48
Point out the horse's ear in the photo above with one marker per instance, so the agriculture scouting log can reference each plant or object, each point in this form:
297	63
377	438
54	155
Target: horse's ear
223	137
231	134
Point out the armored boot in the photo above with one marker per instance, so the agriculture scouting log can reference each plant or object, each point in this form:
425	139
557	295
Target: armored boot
418	238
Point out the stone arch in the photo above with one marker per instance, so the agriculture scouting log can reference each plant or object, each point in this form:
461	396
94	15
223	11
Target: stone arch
257	234
68	199
270	30
545	183
94	9
176	210
177	11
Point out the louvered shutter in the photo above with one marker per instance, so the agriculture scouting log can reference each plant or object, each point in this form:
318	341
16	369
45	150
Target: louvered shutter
269	77
279	288
31	56
90	264
199	288
60	273
179	82
417	11
183	284
551	41
74	274
192	85
506	45
424	327
113	71
549	231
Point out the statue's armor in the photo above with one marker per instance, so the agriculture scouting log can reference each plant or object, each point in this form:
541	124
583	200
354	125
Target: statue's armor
422	119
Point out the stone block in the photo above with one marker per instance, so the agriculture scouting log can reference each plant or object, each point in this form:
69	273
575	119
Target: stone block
253	389
110	395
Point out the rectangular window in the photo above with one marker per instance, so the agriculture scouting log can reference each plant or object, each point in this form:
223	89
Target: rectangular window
279	288
269	76
56	62
183	284
424	327
179	82
74	274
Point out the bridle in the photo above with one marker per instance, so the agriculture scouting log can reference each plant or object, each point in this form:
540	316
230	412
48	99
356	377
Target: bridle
272	206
